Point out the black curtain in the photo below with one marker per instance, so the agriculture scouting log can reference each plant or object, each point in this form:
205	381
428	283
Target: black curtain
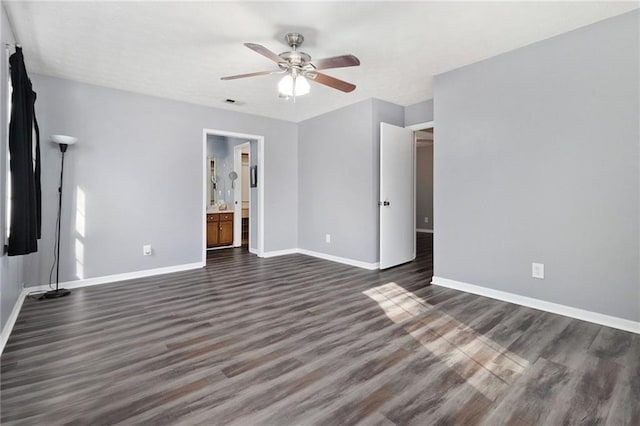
26	202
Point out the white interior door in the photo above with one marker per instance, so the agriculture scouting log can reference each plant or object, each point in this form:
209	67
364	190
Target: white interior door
237	193
397	211
237	196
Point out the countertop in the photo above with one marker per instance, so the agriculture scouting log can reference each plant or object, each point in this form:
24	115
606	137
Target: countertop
212	210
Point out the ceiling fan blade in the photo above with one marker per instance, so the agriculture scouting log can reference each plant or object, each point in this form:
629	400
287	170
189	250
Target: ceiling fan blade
264	52
253	74
336	62
331	81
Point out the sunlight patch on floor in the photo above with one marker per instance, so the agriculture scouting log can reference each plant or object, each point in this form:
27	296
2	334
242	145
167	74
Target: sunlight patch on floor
483	363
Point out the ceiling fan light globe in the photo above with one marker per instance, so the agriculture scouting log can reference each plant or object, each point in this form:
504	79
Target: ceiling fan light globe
286	86
302	86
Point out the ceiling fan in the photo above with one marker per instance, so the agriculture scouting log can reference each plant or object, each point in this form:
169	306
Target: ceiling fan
297	67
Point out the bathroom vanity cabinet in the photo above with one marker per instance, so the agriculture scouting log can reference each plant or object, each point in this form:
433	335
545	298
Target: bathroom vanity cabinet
219	229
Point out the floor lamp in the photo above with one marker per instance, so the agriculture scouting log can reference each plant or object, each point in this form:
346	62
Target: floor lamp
63	142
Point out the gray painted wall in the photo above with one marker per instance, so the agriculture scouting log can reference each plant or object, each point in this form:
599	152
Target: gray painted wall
139	163
421	112
537	160
338	159
11	268
424	186
334	193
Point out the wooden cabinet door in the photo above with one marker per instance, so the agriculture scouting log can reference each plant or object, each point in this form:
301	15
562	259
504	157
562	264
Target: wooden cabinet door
226	233
213	234
213	230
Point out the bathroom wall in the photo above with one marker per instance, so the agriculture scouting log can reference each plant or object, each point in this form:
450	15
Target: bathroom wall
221	147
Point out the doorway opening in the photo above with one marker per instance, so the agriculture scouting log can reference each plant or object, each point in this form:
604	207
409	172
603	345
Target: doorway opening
424	180
424	221
225	207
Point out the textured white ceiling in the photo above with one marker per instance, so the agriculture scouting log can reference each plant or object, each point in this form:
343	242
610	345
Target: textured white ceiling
179	50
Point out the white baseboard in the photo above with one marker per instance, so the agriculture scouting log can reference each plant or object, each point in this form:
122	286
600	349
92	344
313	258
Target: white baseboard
121	277
428	231
11	321
346	261
275	253
253	251
6	331
567	311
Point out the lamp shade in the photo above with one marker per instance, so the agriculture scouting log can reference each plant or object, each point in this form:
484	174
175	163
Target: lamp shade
63	139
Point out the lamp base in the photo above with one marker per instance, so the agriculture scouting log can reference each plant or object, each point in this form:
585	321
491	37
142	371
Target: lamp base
53	294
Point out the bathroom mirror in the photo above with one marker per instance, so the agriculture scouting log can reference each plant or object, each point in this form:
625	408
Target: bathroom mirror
211	180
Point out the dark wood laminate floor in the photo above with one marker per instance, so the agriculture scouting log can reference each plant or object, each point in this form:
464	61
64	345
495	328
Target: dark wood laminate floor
298	340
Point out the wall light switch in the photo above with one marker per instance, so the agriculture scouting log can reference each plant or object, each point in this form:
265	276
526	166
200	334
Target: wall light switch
537	270
327	238
146	250
426	220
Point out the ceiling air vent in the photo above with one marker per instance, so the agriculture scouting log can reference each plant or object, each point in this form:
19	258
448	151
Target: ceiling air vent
233	102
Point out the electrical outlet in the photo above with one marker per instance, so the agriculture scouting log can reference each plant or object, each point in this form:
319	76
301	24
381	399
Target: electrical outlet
146	250
537	270
426	220
327	238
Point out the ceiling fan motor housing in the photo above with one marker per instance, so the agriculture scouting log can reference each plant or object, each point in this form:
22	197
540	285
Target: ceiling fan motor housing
295	58
294	40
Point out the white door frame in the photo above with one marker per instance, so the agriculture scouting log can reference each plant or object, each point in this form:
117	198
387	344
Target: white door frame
421	126
260	207
416	127
237	194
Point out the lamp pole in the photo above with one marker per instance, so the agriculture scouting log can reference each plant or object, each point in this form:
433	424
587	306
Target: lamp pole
59	292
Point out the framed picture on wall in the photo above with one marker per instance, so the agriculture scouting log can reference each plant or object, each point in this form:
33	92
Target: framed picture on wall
253	176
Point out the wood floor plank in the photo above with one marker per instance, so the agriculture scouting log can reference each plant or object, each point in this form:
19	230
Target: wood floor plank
625	406
588	395
533	396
